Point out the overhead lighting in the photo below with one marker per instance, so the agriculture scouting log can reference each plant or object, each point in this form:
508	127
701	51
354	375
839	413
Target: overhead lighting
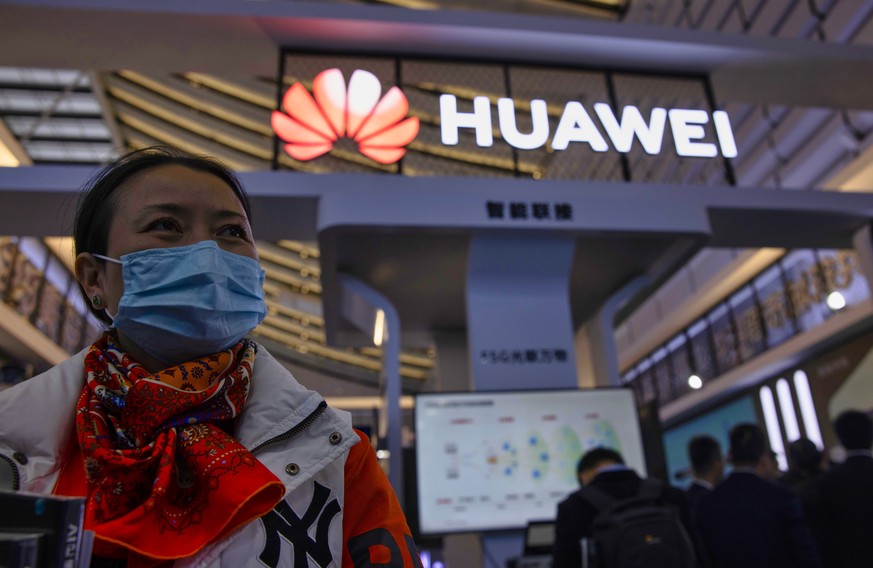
836	301
407	402
807	408
695	382
786	404
774	431
615	6
379	328
412	4
8	159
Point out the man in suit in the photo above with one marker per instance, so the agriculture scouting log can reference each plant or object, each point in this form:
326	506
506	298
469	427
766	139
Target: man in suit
748	521
805	473
843	517
707	463
602	468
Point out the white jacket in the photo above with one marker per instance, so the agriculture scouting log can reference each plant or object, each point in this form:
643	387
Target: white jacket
288	428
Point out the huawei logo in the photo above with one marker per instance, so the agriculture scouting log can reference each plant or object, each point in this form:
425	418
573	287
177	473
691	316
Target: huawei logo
312	125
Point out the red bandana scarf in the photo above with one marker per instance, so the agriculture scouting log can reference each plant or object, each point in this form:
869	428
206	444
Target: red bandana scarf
164	479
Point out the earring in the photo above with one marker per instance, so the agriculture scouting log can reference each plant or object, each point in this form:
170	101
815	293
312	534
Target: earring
95	301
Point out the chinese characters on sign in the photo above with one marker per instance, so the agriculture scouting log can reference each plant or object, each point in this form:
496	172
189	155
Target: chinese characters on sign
523	356
808	288
784	300
538	210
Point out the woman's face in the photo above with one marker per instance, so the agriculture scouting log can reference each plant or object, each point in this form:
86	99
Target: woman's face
170	206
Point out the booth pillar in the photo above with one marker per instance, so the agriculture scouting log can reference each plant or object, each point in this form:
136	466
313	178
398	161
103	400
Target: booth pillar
597	364
519	321
520	330
372	313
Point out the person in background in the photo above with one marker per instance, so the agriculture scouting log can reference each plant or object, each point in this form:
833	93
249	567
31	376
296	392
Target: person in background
603	468
843	516
707	464
769	470
189	441
748	521
805	472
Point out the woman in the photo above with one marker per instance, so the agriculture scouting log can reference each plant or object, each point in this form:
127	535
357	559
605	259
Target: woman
190	443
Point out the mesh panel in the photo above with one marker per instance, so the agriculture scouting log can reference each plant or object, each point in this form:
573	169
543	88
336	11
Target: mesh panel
724	338
425	81
778	320
704	360
750	333
647	93
663	376
557	87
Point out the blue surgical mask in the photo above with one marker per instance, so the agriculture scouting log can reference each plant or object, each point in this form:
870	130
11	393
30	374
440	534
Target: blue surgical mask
185	302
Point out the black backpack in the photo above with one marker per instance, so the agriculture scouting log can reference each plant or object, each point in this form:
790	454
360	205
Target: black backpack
642	531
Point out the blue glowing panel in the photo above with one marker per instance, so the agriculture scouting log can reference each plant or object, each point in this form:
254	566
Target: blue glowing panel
717	423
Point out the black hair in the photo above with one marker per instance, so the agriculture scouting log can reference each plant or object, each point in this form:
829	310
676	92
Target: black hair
854	429
597	456
704	452
804	455
96	206
748	444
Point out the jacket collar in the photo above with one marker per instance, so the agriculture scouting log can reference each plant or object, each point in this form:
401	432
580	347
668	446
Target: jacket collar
276	402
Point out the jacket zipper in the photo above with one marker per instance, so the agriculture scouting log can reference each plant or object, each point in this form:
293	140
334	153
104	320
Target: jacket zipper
300	427
16	477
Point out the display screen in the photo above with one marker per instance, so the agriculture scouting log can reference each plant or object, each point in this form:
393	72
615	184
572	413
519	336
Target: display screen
717	423
497	460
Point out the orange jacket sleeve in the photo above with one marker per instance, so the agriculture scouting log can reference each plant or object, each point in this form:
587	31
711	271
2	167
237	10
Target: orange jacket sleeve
375	532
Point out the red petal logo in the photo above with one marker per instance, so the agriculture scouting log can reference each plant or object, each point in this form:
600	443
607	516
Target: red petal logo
313	124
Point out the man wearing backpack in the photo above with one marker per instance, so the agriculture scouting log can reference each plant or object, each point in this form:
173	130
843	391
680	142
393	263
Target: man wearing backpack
748	521
617	519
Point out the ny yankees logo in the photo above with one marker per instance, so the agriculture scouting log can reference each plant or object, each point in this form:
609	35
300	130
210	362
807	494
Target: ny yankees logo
284	522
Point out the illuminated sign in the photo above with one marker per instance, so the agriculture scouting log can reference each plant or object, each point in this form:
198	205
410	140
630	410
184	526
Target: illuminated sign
312	125
576	125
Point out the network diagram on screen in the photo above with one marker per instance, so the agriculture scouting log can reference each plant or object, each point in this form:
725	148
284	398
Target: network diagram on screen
498	460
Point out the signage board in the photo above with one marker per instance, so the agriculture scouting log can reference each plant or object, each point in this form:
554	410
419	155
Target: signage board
311	121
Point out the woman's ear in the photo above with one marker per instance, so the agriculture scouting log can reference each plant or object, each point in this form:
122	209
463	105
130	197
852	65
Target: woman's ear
89	273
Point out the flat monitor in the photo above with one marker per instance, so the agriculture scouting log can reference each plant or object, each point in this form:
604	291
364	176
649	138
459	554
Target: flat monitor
539	538
498	460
